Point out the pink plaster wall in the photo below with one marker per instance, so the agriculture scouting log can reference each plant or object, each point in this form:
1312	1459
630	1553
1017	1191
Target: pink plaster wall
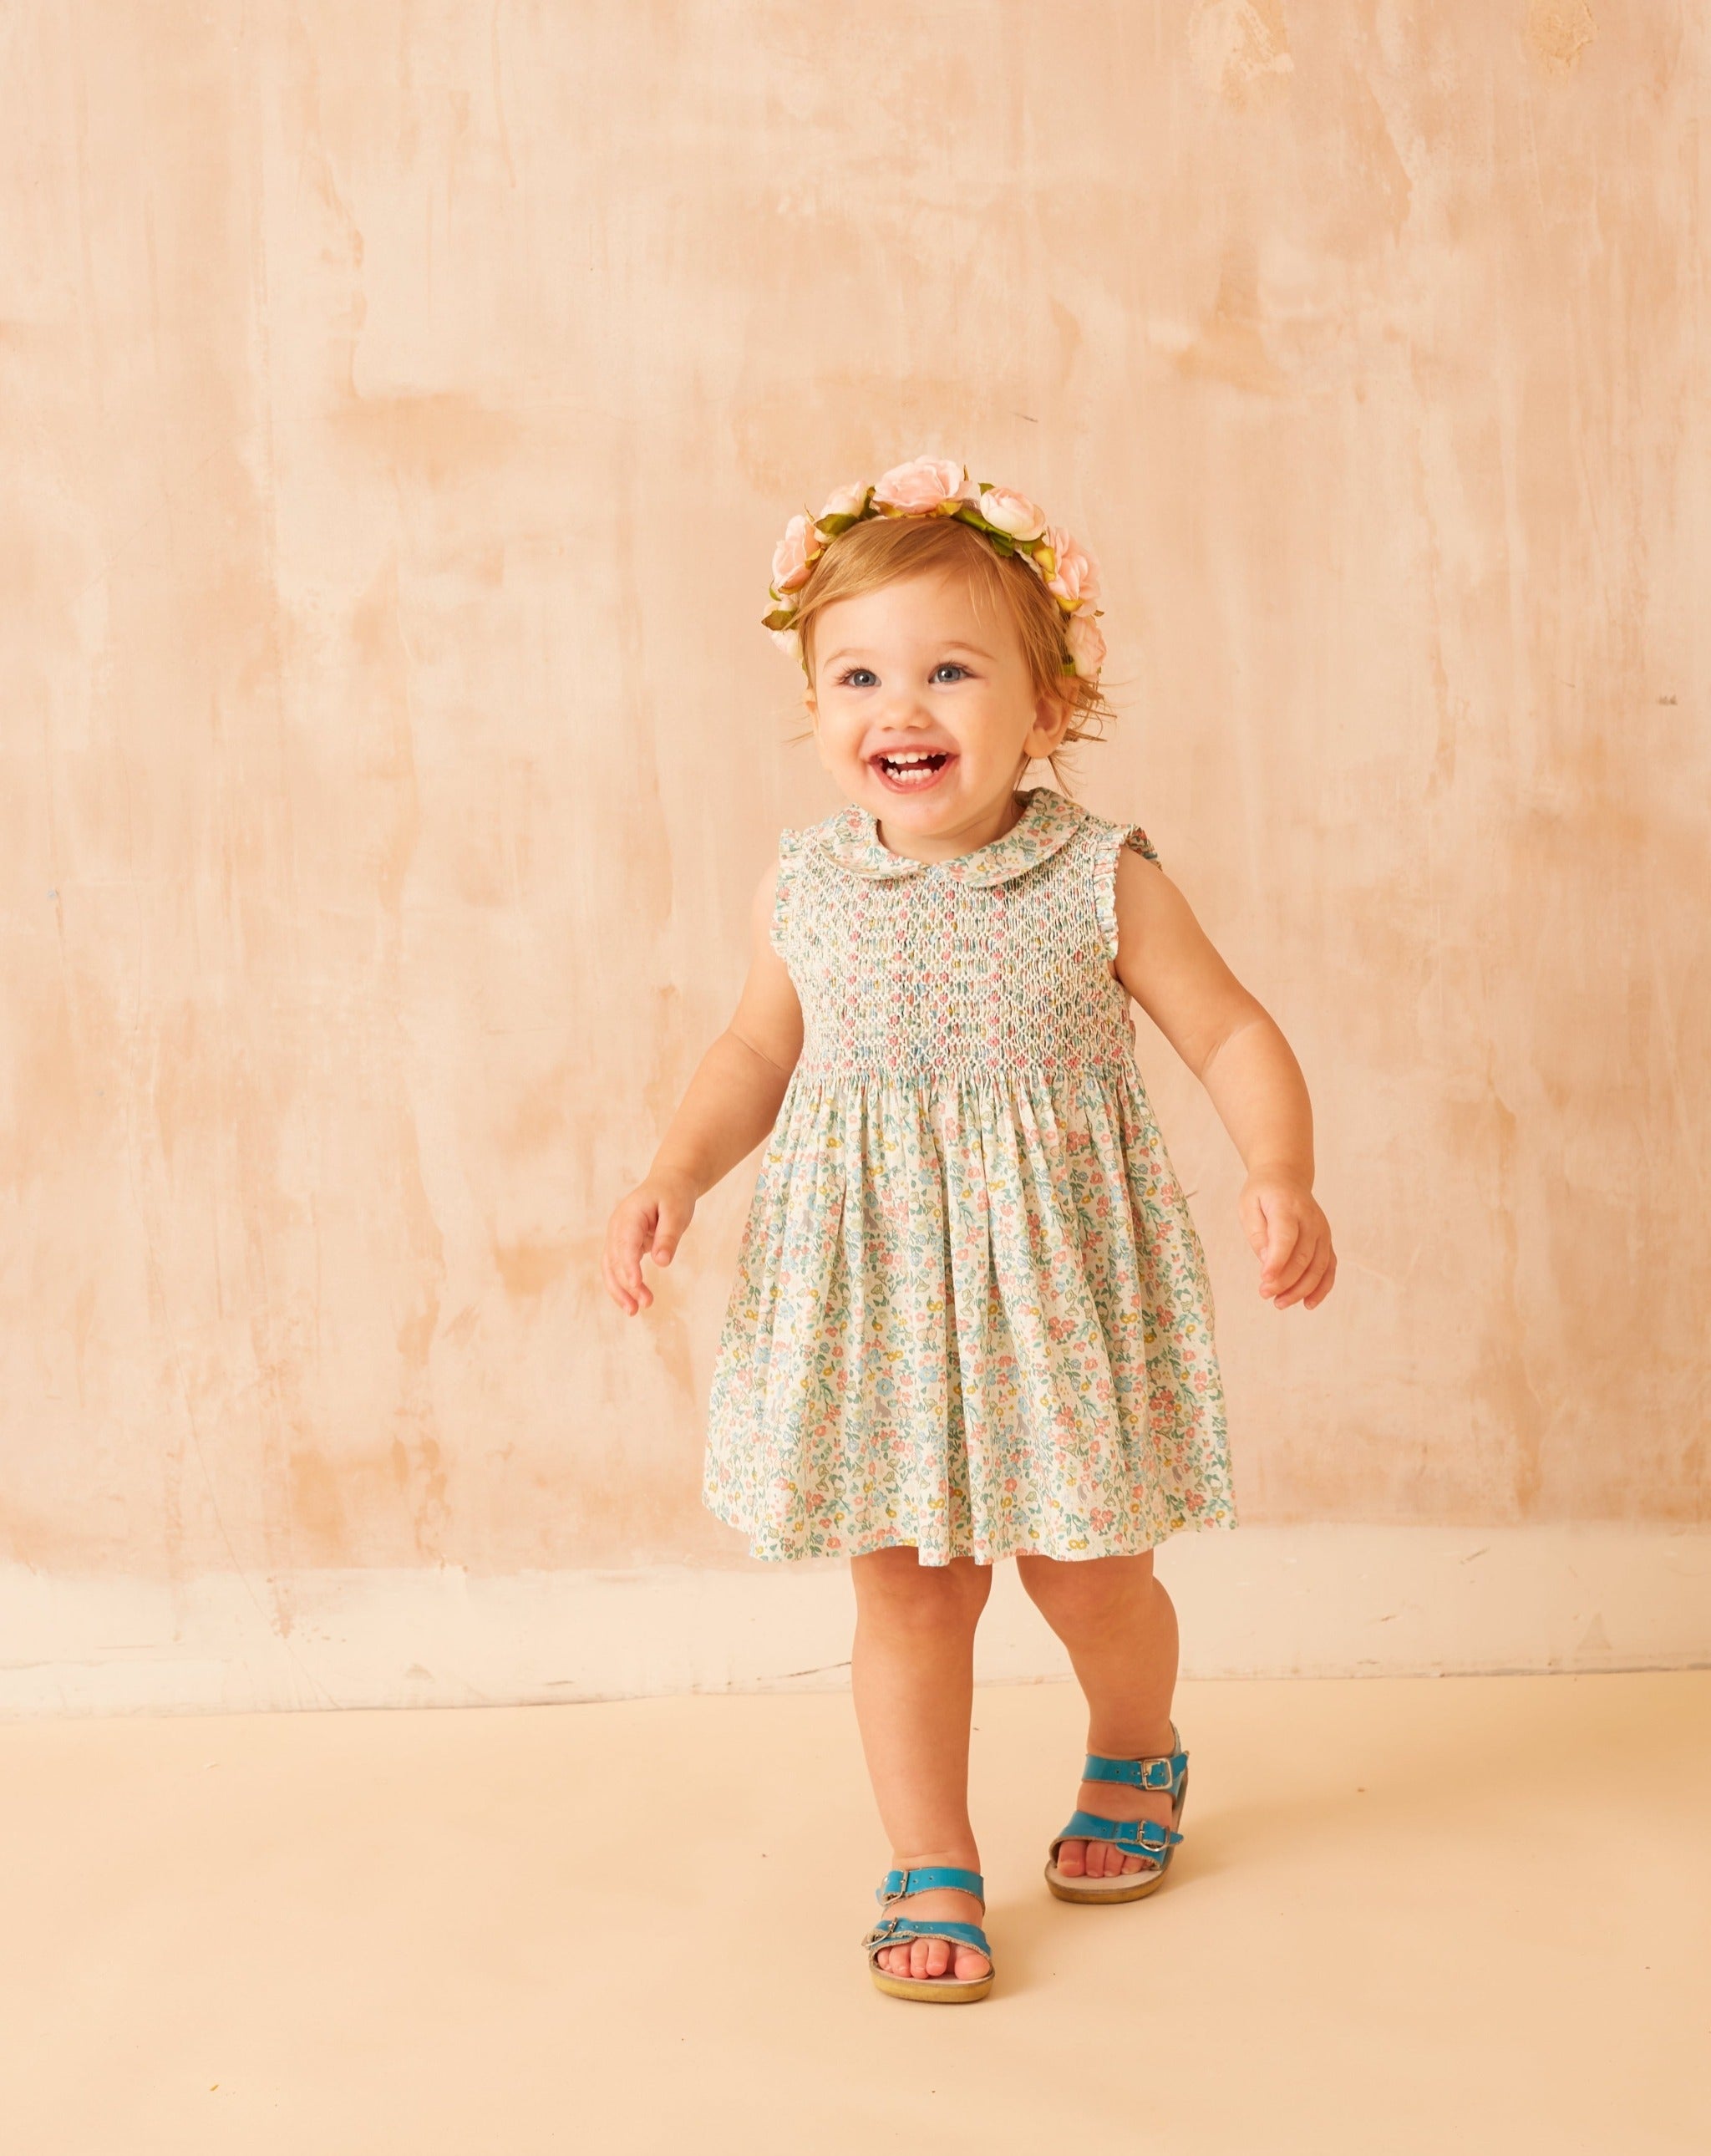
398	404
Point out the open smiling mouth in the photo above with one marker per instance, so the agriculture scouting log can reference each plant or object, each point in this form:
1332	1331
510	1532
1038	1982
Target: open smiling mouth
913	772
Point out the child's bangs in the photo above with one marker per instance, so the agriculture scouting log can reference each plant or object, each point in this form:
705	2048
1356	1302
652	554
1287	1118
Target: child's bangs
885	550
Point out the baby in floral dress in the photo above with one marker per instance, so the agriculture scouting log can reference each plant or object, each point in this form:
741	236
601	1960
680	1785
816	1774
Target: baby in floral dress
971	1318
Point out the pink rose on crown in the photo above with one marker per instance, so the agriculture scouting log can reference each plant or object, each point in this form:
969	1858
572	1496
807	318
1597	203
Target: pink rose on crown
1074	580
938	486
1008	511
924	486
843	501
795	554
1086	646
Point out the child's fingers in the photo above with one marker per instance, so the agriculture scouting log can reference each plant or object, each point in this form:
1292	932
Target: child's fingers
1285	1232
632	1228
639	1234
1315	1291
622	1295
607	1275
1286	1275
669	1229
1300	1290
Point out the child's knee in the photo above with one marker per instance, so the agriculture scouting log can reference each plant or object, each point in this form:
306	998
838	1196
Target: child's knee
1095	1592
893	1583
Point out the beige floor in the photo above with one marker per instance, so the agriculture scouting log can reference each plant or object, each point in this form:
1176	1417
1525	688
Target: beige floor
1465	1915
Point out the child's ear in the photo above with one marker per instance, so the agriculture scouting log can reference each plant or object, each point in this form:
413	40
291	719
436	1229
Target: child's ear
1052	716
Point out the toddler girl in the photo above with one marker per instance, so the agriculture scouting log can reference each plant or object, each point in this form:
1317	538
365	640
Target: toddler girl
971	1318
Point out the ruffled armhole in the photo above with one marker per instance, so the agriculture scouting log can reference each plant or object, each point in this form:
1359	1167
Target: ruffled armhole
1105	883
790	844
1138	839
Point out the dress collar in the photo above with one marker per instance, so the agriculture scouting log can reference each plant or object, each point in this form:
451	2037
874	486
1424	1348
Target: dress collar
1048	820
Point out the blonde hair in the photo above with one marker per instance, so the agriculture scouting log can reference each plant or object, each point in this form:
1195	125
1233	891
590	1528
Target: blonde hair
885	550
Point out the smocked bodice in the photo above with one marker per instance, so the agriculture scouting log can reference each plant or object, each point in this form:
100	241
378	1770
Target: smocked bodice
999	961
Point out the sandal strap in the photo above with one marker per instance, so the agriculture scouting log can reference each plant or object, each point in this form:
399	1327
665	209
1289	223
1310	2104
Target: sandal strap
925	1877
1145	1837
1154	1770
889	1929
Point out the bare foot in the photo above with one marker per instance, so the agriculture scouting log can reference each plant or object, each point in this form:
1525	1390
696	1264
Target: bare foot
921	1958
1115	1800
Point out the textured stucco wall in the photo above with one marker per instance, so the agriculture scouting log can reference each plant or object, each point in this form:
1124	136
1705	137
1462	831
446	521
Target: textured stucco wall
398	405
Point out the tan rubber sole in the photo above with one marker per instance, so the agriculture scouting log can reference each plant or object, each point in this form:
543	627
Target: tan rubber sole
936	1990
1136	1886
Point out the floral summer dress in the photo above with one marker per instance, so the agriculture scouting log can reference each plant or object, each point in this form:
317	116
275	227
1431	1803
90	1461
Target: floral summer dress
971	1311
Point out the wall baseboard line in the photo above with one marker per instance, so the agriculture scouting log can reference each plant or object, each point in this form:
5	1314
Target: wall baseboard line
1261	1602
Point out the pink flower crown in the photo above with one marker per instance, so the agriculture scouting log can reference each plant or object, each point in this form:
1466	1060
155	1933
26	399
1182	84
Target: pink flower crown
933	486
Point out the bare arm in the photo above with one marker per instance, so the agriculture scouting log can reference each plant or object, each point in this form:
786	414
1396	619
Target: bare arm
1234	1047
730	1104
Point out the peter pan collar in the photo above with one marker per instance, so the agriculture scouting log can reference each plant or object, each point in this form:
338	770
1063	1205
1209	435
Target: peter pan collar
1048	820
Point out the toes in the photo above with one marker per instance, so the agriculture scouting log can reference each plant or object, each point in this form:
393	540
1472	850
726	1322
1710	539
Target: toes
937	1956
971	1963
1072	1859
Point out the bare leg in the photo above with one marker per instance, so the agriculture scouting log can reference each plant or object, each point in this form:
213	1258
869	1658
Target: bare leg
1120	1629
912	1673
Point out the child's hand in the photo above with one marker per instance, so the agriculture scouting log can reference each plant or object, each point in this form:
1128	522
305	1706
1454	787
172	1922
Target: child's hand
650	1220
1291	1238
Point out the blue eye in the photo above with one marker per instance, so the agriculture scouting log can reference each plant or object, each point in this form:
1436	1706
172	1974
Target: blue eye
860	677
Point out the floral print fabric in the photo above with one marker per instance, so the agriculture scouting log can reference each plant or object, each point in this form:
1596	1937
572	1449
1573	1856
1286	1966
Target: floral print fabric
971	1310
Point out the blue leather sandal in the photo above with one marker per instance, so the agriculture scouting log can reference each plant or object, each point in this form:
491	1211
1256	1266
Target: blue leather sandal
897	1930
1164	1770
